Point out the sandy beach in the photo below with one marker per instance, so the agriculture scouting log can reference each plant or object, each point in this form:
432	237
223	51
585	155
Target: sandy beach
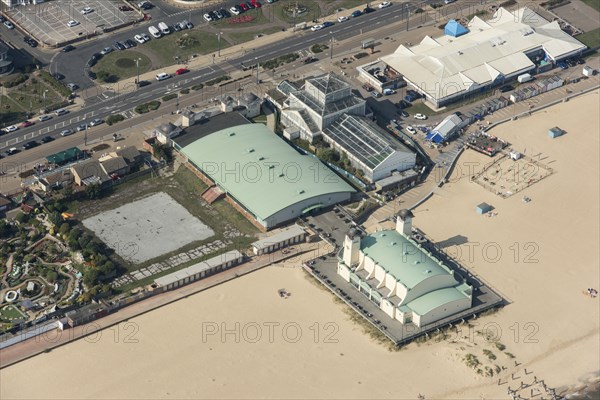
242	340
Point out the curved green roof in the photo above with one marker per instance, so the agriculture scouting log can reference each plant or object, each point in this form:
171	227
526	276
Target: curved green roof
432	300
260	170
401	258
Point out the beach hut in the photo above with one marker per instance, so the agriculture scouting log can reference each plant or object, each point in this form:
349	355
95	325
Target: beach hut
555	132
484	208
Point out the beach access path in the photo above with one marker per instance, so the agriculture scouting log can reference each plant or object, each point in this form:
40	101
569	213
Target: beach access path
298	254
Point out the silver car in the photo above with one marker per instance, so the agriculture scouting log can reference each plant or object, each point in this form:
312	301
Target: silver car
67	132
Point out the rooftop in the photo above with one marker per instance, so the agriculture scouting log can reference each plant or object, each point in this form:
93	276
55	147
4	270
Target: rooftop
207	126
407	262
328	83
283	234
429	301
363	139
197	268
448	65
260	170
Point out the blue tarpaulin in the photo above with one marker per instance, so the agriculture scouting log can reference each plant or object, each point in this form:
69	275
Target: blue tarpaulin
454	29
434	137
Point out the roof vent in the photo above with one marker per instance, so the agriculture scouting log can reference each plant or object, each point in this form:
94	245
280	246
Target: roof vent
250	150
260	158
427	271
271	166
301	191
393	244
405	253
232	134
460	53
417	262
281	175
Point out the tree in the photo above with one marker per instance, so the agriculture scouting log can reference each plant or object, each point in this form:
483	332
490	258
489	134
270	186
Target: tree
93	191
22	218
5	228
64	228
51	276
55	218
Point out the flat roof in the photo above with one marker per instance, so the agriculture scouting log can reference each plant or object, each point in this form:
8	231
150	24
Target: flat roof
207	126
260	170
282	235
197	268
403	259
447	65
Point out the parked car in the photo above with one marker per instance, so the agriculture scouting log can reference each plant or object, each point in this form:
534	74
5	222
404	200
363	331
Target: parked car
125	8
72	23
207	17
411	130
376	94
81	127
176	27
389	92
343	19
43	118
368	10
129	43
12	150
66	132
61	111
404	114
317	27
96	122
93	60
106	50
119	46
145	5
403	104
182	71
356	13
25	124
11	128
309	60
256	4
72	86
9	25
30	145
162	76
87	10
234	10
139	39
189	25
47	139
420	116
145	36
385	4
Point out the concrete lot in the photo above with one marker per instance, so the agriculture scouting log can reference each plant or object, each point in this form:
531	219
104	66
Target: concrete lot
148	228
579	14
47	22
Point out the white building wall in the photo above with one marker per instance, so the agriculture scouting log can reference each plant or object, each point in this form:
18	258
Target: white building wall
344	272
442	311
397	161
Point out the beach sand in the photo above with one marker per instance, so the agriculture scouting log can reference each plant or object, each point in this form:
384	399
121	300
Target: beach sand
549	326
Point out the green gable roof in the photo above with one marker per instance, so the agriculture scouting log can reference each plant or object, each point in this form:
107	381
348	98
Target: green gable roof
401	258
432	300
260	170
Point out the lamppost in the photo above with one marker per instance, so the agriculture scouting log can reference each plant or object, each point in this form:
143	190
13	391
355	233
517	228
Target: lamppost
137	64
219	36
331	47
85	132
257	67
45	91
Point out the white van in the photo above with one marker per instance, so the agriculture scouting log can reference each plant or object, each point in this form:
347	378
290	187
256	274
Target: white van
162	76
61	111
164	28
154	32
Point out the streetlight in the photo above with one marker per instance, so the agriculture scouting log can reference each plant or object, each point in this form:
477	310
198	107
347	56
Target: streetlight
219	36
331	48
257	67
45	91
137	64
85	132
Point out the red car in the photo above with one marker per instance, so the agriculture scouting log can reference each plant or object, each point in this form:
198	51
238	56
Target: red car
181	71
256	4
26	124
244	7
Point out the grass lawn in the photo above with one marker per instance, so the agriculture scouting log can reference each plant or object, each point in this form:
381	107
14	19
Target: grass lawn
9	312
241	37
183	44
593	3
592	38
122	64
312	10
11	112
421	108
30	96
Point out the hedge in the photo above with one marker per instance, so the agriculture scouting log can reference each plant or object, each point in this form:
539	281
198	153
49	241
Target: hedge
147	107
113	119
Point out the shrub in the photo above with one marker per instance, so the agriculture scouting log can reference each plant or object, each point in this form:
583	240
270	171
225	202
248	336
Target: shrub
184	91
17	80
418	11
318	48
170	96
361	55
45	75
198	86
113	119
147	107
489	354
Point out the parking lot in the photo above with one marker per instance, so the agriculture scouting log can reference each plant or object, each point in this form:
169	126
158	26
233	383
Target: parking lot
47	22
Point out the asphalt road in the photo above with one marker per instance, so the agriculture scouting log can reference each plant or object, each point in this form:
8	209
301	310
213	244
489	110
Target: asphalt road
101	104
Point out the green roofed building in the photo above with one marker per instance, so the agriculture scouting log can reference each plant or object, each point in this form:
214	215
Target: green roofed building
406	281
65	156
260	174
